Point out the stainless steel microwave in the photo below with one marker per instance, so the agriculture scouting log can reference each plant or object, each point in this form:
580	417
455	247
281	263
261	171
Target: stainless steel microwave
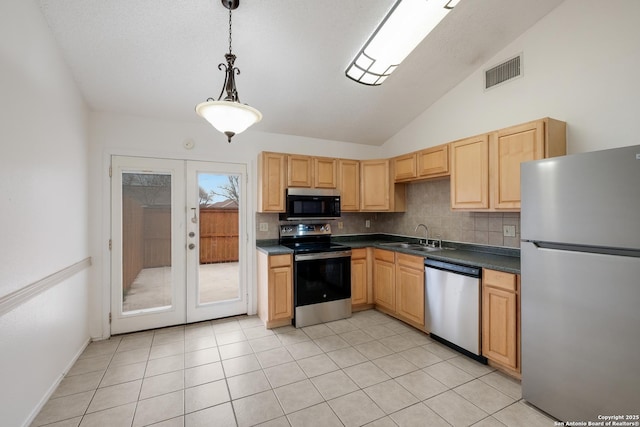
306	203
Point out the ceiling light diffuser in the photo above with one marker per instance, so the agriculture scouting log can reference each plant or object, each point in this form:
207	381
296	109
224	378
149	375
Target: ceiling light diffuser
405	26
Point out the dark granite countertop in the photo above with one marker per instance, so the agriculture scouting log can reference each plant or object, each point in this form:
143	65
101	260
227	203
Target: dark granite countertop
493	257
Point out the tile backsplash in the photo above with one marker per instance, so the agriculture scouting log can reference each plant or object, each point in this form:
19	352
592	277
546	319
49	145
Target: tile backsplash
427	203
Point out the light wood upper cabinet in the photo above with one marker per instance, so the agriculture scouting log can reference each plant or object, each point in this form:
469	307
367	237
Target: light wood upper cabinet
410	289
428	163
378	193
272	170
512	146
433	162
349	185
299	171
311	172
500	318
486	175
470	173
405	167
325	172
275	289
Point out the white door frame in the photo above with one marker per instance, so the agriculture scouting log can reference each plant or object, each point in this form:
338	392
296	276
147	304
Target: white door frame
185	307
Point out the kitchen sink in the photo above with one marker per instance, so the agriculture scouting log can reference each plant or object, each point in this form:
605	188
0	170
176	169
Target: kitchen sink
404	245
426	248
412	246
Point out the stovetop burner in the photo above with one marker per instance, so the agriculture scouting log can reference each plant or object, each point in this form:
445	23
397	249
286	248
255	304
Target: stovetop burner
310	247
309	238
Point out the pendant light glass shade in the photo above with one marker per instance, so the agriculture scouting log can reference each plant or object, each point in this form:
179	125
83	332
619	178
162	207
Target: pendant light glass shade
228	117
405	26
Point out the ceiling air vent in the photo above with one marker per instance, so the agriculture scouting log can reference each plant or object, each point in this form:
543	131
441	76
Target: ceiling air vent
503	72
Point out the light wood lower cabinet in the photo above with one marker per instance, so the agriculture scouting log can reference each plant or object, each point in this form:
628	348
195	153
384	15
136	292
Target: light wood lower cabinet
384	280
275	289
398	285
501	319
361	291
410	289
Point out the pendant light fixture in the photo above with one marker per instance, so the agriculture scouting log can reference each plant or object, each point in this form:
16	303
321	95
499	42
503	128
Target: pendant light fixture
228	115
405	26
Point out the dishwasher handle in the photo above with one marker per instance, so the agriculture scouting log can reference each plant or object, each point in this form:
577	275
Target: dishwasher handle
456	268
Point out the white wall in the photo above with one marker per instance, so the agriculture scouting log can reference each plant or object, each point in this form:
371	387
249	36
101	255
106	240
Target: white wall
581	65
44	215
112	134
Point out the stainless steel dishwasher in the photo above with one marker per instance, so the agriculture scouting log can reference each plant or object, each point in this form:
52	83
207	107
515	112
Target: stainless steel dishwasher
452	306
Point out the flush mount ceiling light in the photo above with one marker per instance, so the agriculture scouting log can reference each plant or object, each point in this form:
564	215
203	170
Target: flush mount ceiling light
405	26
228	115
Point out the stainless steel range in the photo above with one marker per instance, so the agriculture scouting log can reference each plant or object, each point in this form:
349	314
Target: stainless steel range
321	274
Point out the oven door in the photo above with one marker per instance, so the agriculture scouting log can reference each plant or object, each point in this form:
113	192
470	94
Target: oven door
322	277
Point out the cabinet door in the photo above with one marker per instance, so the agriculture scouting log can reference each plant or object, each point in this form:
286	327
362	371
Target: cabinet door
280	287
349	185
374	185
433	162
299	171
404	167
499	326
470	173
325	172
509	149
410	289
271	188
358	276
384	289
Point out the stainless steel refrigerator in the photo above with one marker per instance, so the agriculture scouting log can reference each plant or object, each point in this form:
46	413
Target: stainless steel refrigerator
581	284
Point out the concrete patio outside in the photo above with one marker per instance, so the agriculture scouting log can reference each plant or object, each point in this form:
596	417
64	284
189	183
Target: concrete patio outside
152	287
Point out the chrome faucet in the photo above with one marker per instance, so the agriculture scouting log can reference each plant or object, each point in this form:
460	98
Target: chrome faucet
426	233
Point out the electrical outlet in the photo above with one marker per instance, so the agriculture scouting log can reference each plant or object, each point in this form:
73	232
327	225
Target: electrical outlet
264	226
340	225
509	230
367	223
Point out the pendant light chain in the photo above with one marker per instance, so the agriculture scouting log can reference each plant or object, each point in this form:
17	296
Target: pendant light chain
230	32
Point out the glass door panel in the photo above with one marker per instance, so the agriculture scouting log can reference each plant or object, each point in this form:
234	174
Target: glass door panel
146	241
147	257
215	270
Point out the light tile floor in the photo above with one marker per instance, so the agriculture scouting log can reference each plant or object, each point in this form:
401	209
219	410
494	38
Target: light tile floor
367	370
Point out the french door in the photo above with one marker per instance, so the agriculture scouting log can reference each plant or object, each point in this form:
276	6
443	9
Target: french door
178	242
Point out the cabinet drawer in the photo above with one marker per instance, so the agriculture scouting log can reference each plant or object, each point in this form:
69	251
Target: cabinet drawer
279	260
411	261
360	253
499	279
382	255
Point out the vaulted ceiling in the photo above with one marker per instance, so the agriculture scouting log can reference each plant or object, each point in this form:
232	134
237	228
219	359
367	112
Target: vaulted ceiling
159	58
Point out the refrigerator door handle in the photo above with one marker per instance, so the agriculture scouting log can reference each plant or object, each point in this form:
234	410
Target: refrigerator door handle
588	249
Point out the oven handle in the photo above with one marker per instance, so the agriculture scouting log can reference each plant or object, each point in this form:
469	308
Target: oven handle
322	255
